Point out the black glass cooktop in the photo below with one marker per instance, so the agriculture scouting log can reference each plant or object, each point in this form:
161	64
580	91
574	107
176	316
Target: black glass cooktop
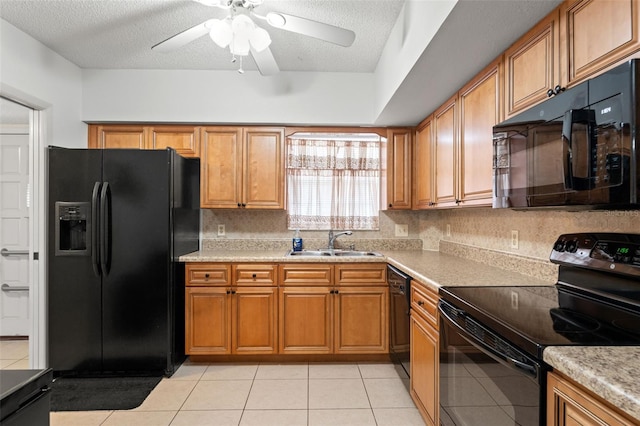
535	317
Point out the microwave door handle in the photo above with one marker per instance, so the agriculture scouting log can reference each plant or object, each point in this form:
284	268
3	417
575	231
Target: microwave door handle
571	155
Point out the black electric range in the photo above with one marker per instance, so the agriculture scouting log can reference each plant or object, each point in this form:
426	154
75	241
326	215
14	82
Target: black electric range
492	339
596	300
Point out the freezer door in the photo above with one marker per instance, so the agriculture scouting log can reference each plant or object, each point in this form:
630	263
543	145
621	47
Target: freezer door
74	289
137	259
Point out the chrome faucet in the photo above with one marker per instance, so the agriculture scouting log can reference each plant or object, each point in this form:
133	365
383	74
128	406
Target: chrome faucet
333	237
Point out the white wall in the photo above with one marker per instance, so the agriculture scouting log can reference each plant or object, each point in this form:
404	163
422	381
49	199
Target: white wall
198	96
35	75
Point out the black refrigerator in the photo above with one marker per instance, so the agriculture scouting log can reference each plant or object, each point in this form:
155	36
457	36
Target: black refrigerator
118	220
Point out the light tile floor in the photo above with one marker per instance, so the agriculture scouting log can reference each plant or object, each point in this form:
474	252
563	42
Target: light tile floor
313	394
256	394
14	354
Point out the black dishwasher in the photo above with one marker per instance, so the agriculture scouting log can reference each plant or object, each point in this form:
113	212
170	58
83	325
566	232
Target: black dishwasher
399	326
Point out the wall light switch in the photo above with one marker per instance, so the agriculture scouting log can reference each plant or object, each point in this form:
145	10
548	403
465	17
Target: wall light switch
402	230
221	231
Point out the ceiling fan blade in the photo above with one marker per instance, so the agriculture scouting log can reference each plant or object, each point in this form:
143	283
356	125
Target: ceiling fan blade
265	61
319	30
182	38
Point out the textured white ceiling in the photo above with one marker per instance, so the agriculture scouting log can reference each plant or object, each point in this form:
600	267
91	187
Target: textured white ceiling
118	34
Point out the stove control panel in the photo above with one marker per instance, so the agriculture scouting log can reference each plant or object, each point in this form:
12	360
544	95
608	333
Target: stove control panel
609	252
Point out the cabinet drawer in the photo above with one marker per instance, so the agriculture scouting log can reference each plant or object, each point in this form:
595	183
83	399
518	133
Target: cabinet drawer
255	274
424	302
208	274
306	274
362	274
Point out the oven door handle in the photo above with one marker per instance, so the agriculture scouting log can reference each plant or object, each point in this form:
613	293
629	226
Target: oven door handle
531	369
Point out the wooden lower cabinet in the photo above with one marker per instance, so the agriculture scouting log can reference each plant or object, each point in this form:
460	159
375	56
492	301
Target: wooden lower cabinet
361	320
319	309
425	382
569	404
306	320
254	316
207	321
324	320
231	309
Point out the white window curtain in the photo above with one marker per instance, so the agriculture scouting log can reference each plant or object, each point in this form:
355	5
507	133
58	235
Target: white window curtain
333	183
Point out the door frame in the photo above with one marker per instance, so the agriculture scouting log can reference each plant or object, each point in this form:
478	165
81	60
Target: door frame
40	110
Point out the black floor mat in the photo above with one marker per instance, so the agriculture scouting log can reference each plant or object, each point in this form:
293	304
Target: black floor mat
100	393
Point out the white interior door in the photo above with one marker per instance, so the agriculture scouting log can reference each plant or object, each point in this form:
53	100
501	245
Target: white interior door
15	263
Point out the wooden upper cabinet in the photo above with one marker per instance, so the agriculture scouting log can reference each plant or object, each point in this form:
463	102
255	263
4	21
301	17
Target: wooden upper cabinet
242	167
531	66
399	169
480	110
445	133
263	159
422	166
117	136
596	34
184	139
221	167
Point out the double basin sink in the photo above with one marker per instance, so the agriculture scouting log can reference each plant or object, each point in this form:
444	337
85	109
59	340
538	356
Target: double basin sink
328	253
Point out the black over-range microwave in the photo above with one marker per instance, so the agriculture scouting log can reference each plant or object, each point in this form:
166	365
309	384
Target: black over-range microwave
578	149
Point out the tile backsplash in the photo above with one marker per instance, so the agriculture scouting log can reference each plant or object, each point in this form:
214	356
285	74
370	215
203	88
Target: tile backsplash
481	234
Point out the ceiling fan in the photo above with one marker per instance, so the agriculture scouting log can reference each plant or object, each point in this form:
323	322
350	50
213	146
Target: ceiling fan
240	33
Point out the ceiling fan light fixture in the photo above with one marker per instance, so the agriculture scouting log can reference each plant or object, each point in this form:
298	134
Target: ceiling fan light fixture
260	39
221	32
276	19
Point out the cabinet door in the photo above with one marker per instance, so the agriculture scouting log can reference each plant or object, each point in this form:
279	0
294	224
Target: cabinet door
531	66
184	139
479	112
446	135
305	320
399	169
117	136
221	167
207	321
570	405
254	319
596	34
424	369
361	320
422	166
263	168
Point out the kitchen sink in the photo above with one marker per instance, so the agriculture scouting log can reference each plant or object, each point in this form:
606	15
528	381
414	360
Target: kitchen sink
341	253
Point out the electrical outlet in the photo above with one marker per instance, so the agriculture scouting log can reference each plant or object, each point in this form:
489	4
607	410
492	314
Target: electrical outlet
221	231
448	232
402	230
514	239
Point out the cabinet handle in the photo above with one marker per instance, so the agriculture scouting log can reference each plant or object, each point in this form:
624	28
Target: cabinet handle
239	205
253	276
244	205
228	291
337	292
206	277
332	292
420	303
390	205
233	292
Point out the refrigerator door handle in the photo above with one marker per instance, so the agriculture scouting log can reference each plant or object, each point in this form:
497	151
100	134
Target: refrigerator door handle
95	229
105	219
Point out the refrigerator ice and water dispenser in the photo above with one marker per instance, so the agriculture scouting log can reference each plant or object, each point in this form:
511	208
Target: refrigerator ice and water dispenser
73	228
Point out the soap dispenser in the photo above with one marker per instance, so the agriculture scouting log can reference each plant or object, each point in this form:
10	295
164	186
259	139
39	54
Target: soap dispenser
297	241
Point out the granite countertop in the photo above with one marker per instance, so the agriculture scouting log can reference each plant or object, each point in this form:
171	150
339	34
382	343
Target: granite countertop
609	372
